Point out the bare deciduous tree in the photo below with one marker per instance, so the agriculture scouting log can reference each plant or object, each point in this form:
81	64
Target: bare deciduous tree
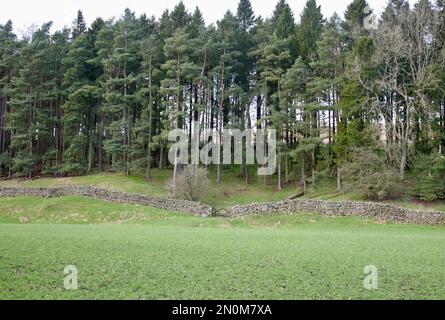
407	72
191	183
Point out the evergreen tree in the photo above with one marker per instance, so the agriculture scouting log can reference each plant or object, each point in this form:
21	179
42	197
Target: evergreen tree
121	87
9	55
79	26
285	22
197	24
151	53
296	88
176	67
246	16
180	18
328	71
227	72
354	21
279	8
355	14
81	111
34	97
309	30
276	58
106	97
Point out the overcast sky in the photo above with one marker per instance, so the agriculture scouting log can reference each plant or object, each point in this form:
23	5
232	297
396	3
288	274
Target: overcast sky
24	13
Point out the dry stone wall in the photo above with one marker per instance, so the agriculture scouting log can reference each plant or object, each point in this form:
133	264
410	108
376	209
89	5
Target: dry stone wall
374	210
190	207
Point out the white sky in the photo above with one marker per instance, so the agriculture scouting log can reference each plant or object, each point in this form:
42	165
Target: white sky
24	13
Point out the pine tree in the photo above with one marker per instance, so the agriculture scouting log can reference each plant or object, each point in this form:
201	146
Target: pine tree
245	15
197	25
354	21
176	68
276	59
151	53
285	23
34	99
279	8
9	55
305	141
328	70
309	31
81	111
78	98
245	70
228	72
121	87
79	26
246	20
180	17
355	14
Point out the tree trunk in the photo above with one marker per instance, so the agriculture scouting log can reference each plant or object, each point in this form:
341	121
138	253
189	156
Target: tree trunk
287	170
221	111
313	169
339	181
175	169
90	155
303	175
403	161
150	123
101	128
161	157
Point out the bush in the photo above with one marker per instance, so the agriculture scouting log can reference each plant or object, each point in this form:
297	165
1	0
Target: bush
23	164
367	174
191	184
72	169
430	174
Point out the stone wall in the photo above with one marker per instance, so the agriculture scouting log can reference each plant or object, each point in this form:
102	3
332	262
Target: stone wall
190	207
374	210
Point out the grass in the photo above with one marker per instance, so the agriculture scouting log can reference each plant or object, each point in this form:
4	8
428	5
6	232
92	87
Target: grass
76	210
422	205
231	191
137	252
134	252
109	181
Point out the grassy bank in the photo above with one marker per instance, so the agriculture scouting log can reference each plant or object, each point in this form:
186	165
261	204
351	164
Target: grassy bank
231	191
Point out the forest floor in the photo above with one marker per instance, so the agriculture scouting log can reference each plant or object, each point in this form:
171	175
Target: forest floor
136	252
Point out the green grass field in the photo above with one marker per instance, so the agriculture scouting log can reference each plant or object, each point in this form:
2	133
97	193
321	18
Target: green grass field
135	252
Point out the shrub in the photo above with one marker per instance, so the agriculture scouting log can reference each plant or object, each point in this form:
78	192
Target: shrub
191	184
368	174
72	169
23	164
430	174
